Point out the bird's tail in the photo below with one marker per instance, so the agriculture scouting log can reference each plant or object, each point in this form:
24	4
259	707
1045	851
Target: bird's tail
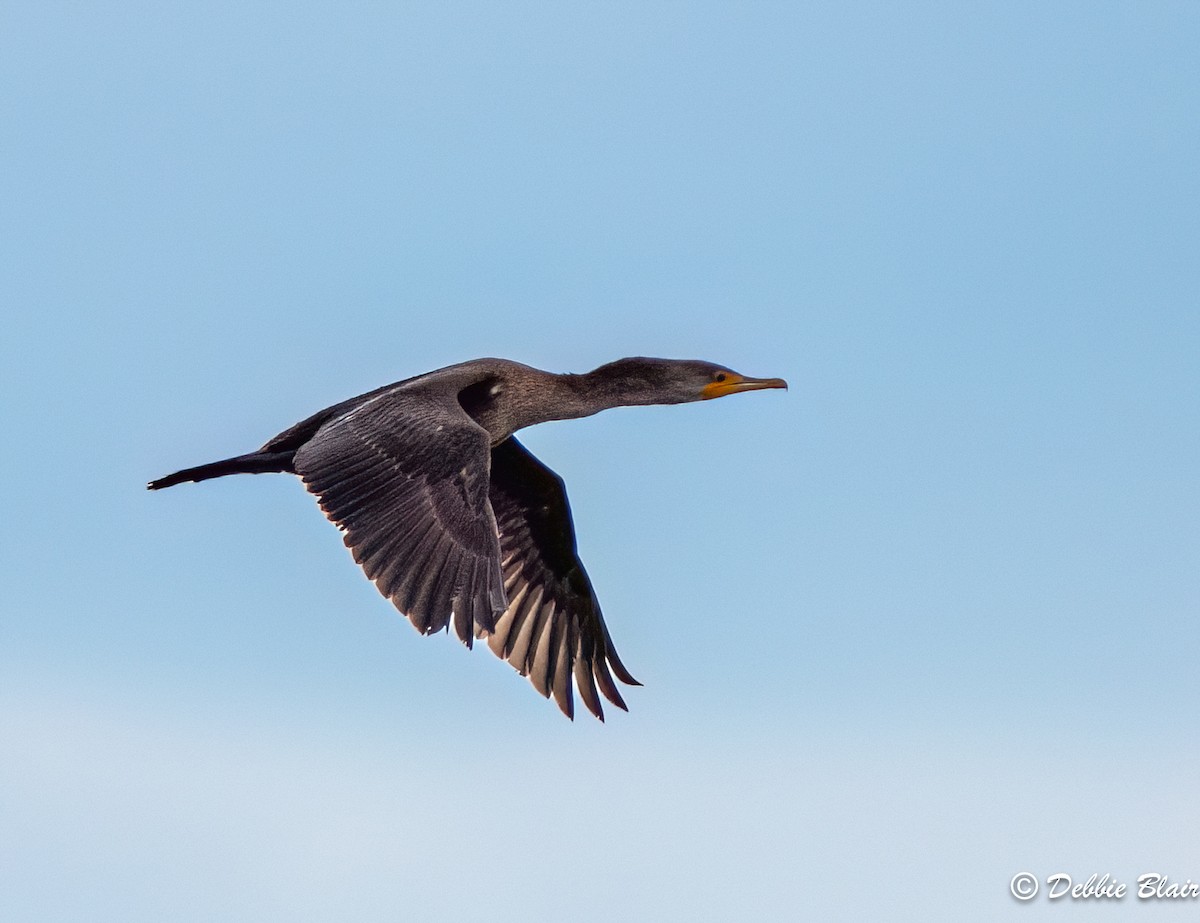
254	463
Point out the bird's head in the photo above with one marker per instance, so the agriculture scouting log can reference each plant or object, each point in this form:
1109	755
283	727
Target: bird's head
672	381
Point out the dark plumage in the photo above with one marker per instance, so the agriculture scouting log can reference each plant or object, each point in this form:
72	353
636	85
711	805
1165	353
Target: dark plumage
454	520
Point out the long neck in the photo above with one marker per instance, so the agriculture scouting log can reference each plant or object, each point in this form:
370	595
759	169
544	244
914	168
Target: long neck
547	396
524	396
618	384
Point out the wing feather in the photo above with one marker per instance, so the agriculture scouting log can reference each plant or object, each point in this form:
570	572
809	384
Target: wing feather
560	672
539	668
453	530
406	479
552	629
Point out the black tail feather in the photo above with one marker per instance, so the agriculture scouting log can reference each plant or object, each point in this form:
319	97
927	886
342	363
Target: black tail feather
254	463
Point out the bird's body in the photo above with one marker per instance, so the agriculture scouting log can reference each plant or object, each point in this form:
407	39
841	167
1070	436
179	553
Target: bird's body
453	519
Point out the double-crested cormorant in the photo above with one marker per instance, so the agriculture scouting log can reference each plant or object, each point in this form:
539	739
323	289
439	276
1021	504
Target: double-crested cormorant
453	519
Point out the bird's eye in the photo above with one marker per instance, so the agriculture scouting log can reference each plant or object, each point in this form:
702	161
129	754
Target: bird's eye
720	376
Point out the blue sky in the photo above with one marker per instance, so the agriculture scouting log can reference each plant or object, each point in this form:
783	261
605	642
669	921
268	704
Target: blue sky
924	621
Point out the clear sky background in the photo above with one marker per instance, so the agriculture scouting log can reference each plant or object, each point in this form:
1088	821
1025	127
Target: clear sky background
924	621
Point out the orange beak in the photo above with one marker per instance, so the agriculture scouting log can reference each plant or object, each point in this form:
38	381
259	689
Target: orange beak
734	383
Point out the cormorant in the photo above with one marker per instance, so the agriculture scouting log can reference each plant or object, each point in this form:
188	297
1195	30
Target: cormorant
453	519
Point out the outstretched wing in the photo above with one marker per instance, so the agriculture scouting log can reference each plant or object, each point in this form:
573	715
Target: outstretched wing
407	481
552	627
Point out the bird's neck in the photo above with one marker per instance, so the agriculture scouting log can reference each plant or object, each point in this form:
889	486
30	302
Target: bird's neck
601	389
561	397
503	407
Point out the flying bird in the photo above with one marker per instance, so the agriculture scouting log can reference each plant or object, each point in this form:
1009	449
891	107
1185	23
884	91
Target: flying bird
454	520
